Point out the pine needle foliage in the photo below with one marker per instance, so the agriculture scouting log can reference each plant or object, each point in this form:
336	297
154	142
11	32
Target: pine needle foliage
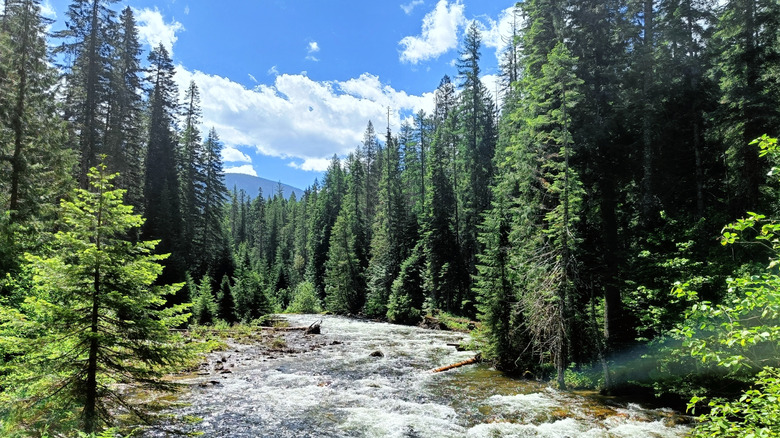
93	326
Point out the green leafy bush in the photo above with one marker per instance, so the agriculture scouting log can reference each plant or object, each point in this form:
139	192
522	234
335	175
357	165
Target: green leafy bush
741	335
305	299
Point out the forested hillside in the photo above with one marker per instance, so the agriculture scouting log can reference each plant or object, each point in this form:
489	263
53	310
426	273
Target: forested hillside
559	214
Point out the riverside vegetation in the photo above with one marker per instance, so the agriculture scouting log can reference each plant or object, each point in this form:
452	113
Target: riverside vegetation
579	217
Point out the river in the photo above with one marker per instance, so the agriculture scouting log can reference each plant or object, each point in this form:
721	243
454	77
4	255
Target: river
341	390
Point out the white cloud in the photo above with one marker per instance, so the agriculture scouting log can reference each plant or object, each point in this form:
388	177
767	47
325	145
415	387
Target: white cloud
273	71
187	10
252	77
409	7
233	155
299	118
246	169
312	164
153	30
493	84
439	33
498	34
314	47
47	10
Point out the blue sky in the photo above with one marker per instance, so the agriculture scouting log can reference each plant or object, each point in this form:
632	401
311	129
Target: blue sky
287	84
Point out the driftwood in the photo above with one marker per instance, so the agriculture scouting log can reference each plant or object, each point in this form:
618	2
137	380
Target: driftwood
474	359
458	347
313	329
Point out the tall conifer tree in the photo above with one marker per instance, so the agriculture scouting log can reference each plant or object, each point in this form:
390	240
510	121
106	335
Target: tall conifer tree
161	188
124	126
87	42
94	321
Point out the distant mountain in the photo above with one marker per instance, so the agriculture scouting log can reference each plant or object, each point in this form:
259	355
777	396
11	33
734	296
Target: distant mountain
251	184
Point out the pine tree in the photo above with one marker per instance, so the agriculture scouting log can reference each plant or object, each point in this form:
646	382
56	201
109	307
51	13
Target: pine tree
370	155
603	144
326	210
94	319
87	39
211	238
477	142
412	170
226	305
388	246
745	48
124	126
35	157
161	188
405	303
496	286
204	310
540	194
446	276
191	175
249	294
345	281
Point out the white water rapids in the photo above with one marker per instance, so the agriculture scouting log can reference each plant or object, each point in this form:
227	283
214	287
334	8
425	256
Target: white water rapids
341	390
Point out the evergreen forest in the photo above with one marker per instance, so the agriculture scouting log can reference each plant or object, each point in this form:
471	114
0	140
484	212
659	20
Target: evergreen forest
577	216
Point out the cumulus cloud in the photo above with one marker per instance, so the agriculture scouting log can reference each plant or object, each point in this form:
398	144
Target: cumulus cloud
233	155
246	169
311	164
497	34
439	33
409	7
153	30
298	118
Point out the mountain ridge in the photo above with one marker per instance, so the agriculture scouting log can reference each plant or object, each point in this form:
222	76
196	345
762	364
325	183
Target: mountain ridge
251	184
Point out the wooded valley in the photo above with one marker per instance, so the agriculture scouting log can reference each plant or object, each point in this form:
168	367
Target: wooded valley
578	216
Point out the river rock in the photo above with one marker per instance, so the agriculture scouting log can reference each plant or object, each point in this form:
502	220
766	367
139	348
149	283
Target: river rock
377	353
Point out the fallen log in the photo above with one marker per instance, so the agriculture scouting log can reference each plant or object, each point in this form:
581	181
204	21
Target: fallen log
458	347
313	329
474	359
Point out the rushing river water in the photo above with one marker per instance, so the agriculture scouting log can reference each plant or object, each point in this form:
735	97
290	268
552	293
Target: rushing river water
342	390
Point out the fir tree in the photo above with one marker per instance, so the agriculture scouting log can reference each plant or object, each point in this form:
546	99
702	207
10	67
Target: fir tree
405	303
211	240
226	306
87	39
161	188
124	130
345	283
388	246
36	162
191	175
746	47
204	310
94	319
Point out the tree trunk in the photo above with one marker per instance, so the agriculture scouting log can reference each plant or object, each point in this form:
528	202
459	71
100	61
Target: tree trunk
647	123
613	306
90	404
